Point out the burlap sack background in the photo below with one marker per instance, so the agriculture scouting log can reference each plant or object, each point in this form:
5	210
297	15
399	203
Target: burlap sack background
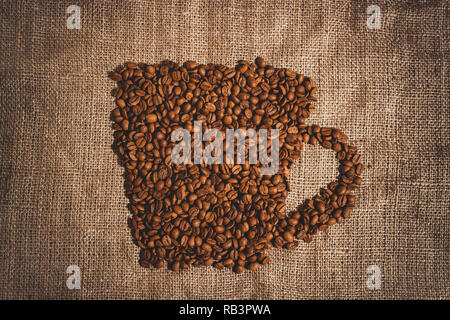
62	200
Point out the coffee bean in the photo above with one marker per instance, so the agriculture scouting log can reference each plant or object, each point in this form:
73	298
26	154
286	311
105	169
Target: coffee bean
238	269
260	62
288	236
341	189
320	206
253	266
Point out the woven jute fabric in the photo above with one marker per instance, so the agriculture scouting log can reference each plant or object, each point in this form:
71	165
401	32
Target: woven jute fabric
62	198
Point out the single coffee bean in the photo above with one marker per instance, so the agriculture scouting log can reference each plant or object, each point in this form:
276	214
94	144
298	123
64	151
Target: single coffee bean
288	236
253	266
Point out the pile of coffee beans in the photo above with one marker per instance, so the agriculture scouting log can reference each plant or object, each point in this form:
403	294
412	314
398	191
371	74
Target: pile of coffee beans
224	215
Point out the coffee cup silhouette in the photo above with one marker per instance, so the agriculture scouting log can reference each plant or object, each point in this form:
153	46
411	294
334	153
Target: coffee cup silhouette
191	202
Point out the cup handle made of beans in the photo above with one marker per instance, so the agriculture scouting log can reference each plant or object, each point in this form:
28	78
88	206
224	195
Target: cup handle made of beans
334	203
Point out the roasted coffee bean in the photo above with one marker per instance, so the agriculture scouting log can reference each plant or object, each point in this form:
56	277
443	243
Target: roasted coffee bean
253	266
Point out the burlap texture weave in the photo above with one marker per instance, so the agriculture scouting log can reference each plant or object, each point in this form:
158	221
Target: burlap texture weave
62	199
